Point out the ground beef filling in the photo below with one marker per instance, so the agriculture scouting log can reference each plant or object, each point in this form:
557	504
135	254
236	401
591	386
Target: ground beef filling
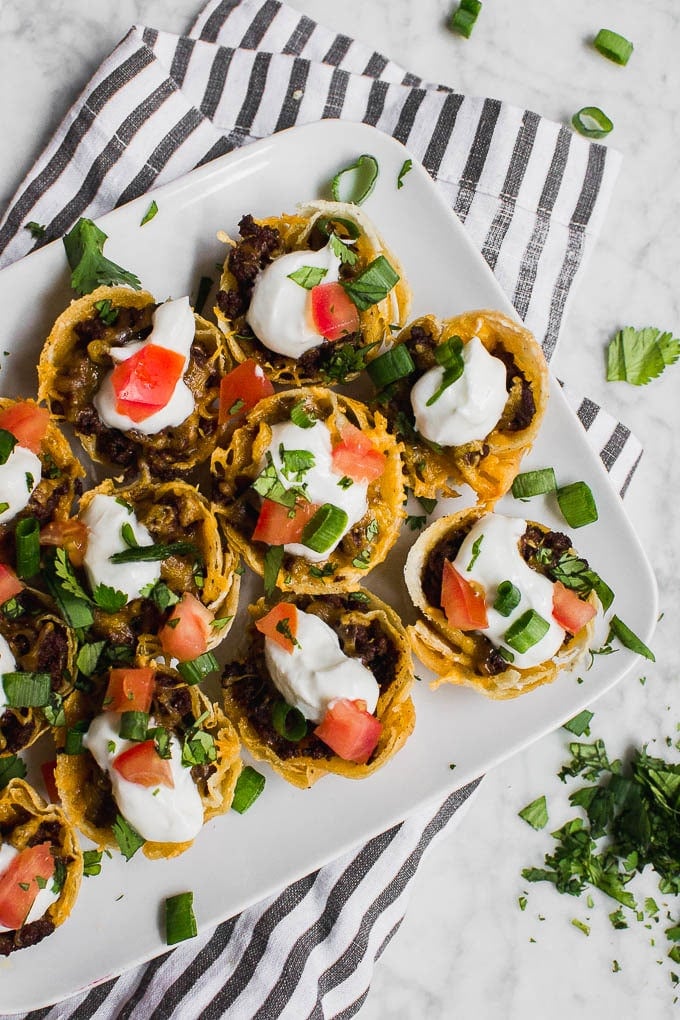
251	688
28	935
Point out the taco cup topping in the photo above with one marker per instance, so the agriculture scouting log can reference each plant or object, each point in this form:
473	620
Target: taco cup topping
25	889
350	730
27	422
113	528
20	475
10	585
8	664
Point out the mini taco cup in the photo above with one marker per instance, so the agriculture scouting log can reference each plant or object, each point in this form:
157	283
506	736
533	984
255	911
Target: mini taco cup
467	657
27	821
264	240
76	358
369	630
489	464
85	789
238	506
42	643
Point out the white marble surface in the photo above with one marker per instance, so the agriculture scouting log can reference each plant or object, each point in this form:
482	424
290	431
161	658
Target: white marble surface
465	947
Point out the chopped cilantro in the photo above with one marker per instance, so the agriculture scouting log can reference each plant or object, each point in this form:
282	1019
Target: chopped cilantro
536	813
90	269
580	724
406	168
128	839
150	213
637	356
11	767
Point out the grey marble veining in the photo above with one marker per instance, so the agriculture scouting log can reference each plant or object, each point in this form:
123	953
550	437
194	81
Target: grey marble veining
466	948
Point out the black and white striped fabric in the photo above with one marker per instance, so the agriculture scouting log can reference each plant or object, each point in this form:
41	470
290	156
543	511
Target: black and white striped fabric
532	196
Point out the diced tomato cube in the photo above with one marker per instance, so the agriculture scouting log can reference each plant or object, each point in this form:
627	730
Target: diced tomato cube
19	886
356	456
276	526
349	730
571	612
10	585
464	606
70	535
48	769
280	625
130	690
144	382
27	422
187	630
241	389
142	764
333	313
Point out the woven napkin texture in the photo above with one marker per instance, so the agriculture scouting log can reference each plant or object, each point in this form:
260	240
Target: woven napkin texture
532	196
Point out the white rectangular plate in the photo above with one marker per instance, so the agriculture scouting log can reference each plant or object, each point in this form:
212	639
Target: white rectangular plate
238	860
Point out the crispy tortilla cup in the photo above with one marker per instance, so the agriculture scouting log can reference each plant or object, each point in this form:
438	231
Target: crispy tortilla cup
173	511
25	821
85	789
75	359
488	465
53	497
237	505
264	240
467	657
41	642
369	630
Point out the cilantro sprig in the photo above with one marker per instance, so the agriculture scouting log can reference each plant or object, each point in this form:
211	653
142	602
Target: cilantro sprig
639	355
90	268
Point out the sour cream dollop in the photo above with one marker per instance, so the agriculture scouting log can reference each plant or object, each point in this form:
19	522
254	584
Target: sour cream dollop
470	407
498	559
45	898
19	476
104	518
321	482
174	329
280	312
317	671
163	814
8	664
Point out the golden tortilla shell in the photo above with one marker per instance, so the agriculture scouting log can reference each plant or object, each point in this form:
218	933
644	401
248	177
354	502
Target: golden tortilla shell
71	369
302	764
237	505
295	232
41	642
490	465
85	790
455	655
23	814
174	511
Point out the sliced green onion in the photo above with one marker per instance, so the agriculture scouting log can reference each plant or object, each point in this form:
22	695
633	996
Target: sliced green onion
534	483
630	640
526	631
204	288
592	122
613	46
73	741
289	722
508	597
325	528
394	364
27	538
464	17
249	786
180	922
273	558
326	224
301	417
450	356
157	551
371	286
196	670
360	182
27	690
134	725
7	443
577	504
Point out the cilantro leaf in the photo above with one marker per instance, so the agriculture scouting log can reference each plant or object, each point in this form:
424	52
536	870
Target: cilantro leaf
638	356
109	599
536	813
90	269
127	838
308	276
11	767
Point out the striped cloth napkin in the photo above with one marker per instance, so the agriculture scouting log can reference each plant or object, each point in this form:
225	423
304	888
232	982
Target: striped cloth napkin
532	196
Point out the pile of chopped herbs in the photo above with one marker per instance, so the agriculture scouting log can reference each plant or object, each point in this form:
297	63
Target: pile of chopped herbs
632	821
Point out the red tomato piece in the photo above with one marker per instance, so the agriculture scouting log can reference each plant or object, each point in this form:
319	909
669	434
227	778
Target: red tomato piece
10	585
284	614
333	313
47	768
356	456
70	535
349	730
188	637
27	422
464	606
145	382
241	389
142	764
18	885
571	612
130	690
275	526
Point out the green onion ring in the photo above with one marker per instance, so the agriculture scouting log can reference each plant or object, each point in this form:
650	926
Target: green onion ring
592	122
364	174
288	721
